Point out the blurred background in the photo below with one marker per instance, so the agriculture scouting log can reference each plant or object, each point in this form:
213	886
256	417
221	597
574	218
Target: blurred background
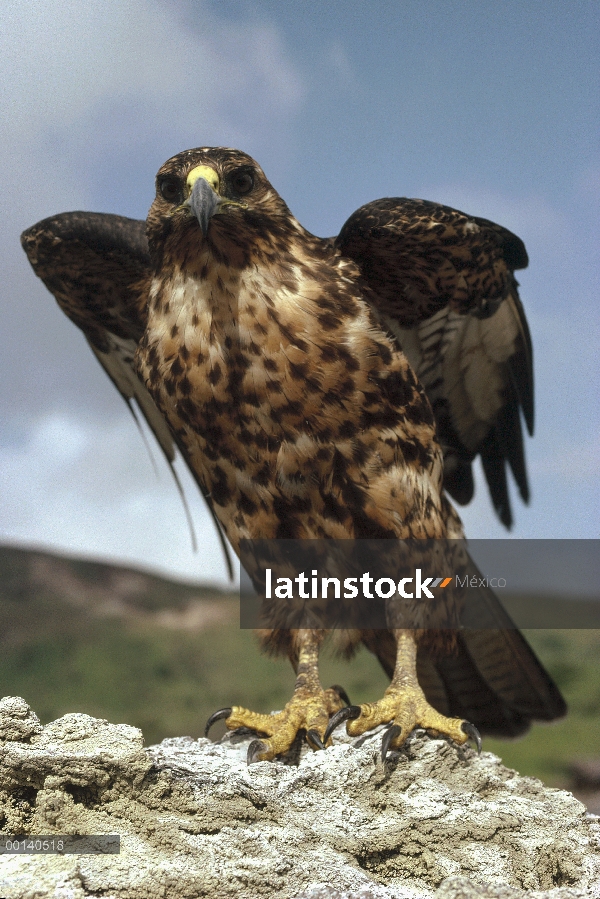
489	107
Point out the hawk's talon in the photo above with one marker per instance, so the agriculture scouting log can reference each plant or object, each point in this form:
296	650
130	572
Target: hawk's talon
314	740
345	714
243	732
341	693
255	748
472	733
393	731
216	716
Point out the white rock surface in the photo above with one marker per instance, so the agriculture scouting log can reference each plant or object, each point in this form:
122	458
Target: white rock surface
194	820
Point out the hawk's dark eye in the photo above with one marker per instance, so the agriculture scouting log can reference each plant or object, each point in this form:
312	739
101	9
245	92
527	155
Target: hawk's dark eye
170	190
242	182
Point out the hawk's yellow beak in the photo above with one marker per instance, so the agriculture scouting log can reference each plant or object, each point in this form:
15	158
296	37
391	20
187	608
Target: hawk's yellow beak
202	171
203	197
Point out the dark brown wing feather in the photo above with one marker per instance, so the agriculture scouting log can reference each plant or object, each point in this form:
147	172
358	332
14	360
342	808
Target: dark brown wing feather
98	268
444	284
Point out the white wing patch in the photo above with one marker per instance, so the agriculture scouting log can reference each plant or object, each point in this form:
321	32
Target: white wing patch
461	359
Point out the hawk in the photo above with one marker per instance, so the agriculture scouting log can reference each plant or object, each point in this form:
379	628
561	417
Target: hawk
323	388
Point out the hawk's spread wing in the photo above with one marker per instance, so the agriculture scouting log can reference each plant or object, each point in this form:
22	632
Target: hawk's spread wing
444	283
98	268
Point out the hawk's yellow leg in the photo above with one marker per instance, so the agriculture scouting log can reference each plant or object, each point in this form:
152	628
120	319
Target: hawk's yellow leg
404	705
308	710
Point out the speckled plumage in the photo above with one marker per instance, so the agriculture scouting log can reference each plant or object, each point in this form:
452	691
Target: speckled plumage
299	410
283	366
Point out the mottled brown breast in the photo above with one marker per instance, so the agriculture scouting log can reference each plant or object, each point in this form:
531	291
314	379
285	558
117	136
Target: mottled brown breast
298	412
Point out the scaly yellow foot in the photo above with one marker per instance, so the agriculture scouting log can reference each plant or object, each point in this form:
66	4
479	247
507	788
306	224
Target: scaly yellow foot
403	706
308	710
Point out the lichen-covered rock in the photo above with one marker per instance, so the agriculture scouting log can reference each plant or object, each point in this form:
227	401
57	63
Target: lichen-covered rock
195	820
17	721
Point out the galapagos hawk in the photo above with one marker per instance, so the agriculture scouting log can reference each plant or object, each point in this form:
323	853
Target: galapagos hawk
323	388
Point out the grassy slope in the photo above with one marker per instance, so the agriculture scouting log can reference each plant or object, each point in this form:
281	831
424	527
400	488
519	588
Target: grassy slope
61	655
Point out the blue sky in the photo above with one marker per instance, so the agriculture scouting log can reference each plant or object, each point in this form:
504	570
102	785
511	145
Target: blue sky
490	107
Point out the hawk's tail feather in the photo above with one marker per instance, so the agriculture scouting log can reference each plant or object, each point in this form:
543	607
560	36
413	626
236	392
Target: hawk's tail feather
494	469
509	666
456	687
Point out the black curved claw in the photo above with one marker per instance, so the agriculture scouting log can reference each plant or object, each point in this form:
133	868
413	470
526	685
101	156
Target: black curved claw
314	740
471	731
345	714
341	693
243	732
254	749
391	733
216	716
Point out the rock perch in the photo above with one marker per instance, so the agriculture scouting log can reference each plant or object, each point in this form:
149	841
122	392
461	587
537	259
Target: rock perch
195	820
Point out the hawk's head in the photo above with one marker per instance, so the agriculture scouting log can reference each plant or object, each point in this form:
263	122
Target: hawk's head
216	197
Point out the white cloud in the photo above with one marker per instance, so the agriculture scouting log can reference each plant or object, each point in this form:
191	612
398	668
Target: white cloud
83	488
66	69
60	58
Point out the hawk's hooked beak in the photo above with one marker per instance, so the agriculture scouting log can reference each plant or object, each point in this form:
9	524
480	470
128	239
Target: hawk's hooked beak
204	199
